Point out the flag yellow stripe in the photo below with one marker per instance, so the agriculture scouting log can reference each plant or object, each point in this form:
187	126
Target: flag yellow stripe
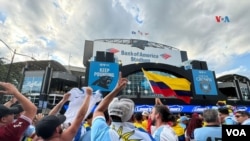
173	83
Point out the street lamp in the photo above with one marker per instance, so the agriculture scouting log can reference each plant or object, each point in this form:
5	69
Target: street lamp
12	59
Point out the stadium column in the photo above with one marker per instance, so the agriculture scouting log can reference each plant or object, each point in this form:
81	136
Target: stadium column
45	88
20	85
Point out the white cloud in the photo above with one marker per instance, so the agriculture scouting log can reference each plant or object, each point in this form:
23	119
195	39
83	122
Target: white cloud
187	25
240	69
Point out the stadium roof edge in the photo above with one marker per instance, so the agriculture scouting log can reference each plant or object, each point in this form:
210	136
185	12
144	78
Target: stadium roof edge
231	77
130	41
42	64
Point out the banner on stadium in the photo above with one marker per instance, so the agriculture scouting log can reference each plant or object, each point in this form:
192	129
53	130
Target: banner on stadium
103	76
187	108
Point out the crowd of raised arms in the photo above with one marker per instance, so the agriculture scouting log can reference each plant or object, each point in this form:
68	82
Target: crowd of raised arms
113	119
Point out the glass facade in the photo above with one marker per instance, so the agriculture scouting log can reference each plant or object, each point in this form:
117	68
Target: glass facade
32	84
245	93
138	86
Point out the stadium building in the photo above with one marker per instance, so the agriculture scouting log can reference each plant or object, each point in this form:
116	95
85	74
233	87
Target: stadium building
45	82
133	55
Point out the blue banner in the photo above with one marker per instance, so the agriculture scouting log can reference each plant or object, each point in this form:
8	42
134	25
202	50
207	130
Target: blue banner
187	108
103	75
204	82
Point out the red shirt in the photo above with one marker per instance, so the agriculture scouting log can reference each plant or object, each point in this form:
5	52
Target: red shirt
14	131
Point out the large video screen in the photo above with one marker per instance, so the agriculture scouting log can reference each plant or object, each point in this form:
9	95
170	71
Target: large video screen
204	82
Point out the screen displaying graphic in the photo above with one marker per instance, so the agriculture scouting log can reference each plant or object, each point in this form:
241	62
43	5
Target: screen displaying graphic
204	82
103	75
32	84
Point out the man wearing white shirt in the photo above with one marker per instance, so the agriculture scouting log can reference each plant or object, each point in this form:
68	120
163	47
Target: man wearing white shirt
163	132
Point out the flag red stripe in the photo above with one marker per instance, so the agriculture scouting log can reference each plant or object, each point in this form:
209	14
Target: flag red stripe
165	92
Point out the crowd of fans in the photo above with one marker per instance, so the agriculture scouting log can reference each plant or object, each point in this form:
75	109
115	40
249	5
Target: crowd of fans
114	119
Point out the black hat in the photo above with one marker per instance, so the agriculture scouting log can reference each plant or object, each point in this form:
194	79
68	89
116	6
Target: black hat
4	111
47	125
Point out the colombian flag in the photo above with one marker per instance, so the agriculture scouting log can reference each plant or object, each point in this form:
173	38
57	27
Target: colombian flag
167	86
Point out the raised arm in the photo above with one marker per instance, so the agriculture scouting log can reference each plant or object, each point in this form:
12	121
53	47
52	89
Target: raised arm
70	132
9	103
103	105
28	107
158	101
59	105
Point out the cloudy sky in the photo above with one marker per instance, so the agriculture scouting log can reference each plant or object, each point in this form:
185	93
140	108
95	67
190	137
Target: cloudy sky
216	31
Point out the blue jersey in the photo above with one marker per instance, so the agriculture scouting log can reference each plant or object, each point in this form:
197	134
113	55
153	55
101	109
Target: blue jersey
229	121
246	122
208	133
29	132
117	131
86	136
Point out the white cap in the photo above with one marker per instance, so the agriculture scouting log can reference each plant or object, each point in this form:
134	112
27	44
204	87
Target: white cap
145	113
123	108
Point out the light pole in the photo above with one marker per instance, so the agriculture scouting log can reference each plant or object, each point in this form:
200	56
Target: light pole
12	59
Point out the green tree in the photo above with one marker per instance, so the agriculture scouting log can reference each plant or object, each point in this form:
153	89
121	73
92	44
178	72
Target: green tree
3	70
15	74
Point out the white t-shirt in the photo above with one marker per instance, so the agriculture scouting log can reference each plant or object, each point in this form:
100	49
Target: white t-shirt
76	98
165	133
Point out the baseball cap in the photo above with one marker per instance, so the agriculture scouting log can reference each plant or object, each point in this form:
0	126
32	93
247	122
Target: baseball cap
145	113
4	111
183	118
122	108
47	125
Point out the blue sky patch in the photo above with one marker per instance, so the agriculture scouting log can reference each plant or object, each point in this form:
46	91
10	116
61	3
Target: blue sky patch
49	43
3	17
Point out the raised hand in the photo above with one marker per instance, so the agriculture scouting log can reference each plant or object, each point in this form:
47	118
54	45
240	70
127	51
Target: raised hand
8	88
88	90
66	97
122	82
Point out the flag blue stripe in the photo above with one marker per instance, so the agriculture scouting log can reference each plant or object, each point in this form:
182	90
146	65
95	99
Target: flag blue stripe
183	93
161	85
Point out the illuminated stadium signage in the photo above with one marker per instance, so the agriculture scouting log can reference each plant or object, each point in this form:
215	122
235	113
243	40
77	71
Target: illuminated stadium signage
131	55
199	109
141	108
175	108
186	108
